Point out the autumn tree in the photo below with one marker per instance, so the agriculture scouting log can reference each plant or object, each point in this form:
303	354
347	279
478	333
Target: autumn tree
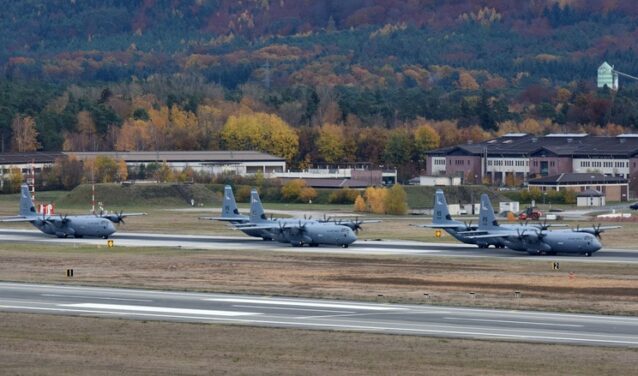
331	143
375	199
395	200
298	190
164	173
260	131
25	134
360	204
425	139
184	132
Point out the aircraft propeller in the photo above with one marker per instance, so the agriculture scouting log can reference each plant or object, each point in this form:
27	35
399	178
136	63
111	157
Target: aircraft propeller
597	231
468	226
356	225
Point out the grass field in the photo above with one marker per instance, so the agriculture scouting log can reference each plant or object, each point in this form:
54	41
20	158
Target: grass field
43	345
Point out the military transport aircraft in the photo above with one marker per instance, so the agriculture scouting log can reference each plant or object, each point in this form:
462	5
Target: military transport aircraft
297	232
466	232
78	226
536	240
251	225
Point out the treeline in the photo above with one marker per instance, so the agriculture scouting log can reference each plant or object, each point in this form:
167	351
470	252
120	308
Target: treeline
317	82
306	126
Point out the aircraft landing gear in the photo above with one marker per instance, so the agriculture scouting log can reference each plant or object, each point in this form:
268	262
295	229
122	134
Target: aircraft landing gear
266	239
344	245
587	254
313	245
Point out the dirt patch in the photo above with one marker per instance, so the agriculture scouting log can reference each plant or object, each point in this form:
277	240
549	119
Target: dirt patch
616	291
43	345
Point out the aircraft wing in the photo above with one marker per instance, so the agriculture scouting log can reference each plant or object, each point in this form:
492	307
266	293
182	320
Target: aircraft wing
262	227
439	226
133	214
490	236
17	219
594	230
226	219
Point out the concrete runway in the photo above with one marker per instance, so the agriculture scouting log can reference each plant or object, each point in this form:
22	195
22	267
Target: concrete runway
361	247
321	314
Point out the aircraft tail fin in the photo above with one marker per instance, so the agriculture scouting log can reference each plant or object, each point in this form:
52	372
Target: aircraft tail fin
487	219
229	205
256	208
26	205
441	213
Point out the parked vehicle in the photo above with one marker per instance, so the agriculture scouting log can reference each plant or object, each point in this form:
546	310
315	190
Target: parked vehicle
531	212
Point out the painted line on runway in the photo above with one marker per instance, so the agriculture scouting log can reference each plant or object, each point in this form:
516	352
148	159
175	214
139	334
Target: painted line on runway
303	304
351	327
514	322
135	308
290	309
95	297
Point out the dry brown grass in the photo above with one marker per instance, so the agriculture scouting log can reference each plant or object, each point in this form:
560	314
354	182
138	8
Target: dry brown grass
603	288
43	345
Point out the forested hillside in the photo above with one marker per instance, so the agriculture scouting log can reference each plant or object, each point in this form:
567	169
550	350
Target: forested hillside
314	81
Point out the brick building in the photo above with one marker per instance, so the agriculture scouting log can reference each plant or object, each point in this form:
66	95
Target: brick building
516	158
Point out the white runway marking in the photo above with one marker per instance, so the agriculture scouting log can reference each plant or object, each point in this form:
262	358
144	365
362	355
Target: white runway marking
290	309
134	308
95	297
514	322
304	304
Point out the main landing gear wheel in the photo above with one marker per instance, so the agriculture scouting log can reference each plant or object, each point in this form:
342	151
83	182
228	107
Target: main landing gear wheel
266	239
587	254
344	246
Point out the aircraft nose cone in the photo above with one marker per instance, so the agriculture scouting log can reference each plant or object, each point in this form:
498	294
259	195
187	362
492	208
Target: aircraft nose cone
111	227
351	237
596	245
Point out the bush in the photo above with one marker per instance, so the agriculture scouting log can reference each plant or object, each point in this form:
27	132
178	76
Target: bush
344	196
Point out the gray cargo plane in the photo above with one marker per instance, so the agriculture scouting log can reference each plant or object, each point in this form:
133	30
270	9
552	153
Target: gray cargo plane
62	226
297	232
536	241
251	225
466	232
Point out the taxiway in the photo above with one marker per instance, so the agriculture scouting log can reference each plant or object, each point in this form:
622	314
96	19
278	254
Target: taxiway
361	247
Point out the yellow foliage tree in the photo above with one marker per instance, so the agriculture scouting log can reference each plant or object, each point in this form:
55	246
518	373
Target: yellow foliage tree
292	189
426	138
25	134
134	135
467	82
375	199
164	174
395	200
260	131
184	132
307	194
106	169
360	204
122	170
331	143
